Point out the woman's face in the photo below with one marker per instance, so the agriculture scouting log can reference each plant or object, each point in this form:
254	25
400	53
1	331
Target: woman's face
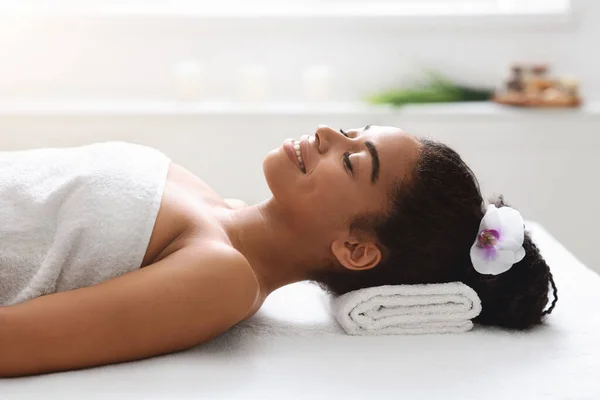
344	175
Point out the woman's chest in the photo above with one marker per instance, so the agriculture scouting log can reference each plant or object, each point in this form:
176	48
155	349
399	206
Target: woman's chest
186	214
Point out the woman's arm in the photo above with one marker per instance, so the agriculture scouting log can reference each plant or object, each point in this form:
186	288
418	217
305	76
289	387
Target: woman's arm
185	299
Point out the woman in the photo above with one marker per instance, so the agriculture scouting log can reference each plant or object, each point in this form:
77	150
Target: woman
349	209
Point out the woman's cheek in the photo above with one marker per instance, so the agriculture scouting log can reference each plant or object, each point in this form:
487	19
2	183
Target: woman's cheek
326	188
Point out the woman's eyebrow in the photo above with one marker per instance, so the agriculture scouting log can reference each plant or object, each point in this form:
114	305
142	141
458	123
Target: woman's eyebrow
374	157
374	161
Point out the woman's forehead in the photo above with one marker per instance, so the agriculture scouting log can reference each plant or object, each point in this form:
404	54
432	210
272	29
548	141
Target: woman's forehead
392	136
398	149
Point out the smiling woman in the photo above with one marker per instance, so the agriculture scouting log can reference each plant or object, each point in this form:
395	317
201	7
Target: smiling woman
425	232
367	207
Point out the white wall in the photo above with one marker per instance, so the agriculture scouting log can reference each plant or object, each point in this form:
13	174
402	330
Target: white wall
117	57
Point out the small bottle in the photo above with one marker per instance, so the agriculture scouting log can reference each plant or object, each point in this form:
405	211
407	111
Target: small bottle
188	80
539	79
317	83
515	82
570	85
253	83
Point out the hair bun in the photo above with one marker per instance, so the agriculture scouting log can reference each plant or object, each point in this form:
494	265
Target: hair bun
517	297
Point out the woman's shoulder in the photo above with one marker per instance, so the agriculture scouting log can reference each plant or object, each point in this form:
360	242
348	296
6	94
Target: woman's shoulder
215	258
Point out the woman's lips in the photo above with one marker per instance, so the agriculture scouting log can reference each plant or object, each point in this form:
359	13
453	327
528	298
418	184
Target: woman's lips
305	150
288	147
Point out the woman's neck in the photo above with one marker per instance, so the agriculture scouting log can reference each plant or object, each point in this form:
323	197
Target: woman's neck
277	251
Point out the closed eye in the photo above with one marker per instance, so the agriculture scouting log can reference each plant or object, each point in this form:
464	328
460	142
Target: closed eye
347	163
374	156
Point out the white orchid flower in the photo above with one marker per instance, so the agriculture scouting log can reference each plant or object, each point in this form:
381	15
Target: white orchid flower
499	243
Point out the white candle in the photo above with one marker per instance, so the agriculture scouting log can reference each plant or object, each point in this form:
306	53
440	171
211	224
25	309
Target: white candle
188	79
253	83
317	83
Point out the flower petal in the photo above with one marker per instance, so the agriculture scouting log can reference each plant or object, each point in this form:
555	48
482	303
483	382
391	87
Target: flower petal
509	248
504	260
509	243
490	253
491	219
519	254
483	264
512	225
506	257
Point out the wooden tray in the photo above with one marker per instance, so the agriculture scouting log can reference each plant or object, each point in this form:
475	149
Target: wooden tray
528	101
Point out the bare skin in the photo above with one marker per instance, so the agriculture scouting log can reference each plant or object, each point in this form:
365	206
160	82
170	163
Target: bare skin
211	262
188	215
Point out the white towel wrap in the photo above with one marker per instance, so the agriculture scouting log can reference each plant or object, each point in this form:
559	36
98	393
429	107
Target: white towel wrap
73	217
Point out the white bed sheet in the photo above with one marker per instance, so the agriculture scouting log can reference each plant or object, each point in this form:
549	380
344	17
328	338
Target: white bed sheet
293	349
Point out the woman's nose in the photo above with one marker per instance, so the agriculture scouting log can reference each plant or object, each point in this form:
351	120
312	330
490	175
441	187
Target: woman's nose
325	137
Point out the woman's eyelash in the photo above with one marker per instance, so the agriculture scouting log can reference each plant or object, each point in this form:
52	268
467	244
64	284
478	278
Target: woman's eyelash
347	162
346	157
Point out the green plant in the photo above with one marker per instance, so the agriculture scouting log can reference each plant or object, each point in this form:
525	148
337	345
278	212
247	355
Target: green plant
437	89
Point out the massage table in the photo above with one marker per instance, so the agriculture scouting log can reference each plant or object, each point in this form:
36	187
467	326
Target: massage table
293	349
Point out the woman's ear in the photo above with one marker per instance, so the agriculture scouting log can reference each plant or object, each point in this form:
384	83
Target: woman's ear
356	254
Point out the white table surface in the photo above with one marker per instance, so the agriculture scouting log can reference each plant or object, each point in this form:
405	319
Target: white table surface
294	350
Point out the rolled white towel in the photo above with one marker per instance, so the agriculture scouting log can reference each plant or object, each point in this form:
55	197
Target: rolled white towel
407	309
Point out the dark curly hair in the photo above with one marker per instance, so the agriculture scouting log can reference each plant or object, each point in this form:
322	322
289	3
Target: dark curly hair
427	236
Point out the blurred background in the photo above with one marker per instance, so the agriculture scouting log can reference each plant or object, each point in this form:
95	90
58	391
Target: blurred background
216	85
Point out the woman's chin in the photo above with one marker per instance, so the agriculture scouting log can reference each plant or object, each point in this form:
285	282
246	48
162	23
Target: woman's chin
279	172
